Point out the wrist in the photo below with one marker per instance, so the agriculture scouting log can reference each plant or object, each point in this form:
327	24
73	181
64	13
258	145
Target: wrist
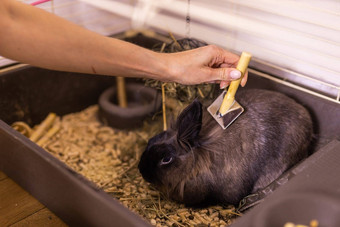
170	68
161	69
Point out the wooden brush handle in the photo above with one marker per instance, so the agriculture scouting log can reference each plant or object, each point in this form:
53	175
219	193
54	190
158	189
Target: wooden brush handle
121	92
229	98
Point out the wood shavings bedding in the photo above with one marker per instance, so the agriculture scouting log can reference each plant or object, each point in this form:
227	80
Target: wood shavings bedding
109	158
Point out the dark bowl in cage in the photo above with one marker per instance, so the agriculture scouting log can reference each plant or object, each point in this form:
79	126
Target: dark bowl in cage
142	102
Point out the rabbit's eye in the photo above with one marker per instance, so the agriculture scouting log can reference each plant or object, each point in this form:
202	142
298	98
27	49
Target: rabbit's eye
166	160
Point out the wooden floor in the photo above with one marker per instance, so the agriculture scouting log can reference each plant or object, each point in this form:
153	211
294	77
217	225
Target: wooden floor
19	208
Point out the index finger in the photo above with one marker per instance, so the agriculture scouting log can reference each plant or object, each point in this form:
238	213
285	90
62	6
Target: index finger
244	79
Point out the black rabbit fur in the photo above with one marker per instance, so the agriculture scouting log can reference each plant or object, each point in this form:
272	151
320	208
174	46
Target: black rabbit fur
197	162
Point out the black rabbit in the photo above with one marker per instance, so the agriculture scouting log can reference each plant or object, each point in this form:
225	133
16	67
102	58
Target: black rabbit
196	161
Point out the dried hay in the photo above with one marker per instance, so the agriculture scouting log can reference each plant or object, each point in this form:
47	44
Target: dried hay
184	93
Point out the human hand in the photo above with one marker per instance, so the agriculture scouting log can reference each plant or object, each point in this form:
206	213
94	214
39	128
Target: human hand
208	64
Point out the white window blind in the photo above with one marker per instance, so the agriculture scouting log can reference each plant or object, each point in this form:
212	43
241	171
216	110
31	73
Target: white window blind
302	37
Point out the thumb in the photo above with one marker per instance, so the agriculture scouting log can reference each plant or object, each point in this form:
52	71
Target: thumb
225	74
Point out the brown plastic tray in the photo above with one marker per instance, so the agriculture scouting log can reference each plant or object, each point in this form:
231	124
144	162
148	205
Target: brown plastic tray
30	93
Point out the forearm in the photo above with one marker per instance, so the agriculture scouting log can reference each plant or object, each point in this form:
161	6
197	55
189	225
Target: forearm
36	37
60	45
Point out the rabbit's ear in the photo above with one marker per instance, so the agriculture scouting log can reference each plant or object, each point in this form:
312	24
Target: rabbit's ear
189	124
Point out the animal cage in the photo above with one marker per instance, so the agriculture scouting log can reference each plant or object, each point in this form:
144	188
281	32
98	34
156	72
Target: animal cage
310	190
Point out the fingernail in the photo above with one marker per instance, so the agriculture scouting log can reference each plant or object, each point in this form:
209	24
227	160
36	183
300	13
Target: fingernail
223	85
235	74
